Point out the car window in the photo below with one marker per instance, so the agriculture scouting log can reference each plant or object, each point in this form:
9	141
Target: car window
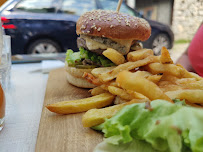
112	5
77	7
36	6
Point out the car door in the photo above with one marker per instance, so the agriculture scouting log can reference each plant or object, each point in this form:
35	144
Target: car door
33	19
68	14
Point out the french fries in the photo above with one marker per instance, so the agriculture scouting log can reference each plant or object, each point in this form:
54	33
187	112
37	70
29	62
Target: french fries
193	96
165	57
137	95
119	100
186	74
185	80
139	54
144	74
140	100
165	83
192	85
120	92
142	77
168	69
114	56
170	87
95	117
127	80
81	105
193	104
97	90
154	78
90	78
98	71
126	66
110	83
126	95
170	78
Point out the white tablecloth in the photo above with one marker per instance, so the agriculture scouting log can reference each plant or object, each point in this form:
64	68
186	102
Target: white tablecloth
23	108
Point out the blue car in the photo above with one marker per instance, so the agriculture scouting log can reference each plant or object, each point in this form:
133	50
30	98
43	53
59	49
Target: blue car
48	26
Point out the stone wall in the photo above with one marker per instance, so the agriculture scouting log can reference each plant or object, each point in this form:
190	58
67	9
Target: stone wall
187	17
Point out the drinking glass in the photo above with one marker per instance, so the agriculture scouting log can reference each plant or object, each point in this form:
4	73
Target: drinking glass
5	71
5	64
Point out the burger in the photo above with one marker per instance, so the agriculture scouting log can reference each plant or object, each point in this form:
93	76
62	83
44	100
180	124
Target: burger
99	30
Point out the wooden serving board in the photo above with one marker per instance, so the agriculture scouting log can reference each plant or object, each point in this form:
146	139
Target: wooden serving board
64	133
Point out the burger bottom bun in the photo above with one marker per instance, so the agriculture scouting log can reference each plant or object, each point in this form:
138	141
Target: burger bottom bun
79	82
74	77
78	73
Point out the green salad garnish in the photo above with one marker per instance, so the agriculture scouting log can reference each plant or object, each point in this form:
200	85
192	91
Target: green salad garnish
166	128
76	58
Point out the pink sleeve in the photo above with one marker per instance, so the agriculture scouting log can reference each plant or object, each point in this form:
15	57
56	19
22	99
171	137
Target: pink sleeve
195	51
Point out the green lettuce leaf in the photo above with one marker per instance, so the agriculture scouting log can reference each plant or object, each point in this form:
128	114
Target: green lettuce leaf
104	62
133	146
73	58
180	102
76	58
83	53
168	127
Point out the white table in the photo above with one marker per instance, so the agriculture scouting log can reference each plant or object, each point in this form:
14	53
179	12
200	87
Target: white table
23	108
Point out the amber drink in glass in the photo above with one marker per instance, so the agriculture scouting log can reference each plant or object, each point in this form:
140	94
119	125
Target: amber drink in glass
2	108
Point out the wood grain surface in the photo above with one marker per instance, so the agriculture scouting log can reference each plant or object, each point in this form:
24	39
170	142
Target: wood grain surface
64	133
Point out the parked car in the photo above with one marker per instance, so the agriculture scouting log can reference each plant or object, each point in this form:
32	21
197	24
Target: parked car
48	26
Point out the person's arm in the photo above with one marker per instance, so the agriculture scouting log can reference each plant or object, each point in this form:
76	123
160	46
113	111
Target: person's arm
184	59
185	62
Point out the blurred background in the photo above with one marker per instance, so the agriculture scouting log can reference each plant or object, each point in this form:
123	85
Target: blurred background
48	26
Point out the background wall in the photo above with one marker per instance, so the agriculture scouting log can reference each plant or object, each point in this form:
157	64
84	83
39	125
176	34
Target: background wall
159	10
187	17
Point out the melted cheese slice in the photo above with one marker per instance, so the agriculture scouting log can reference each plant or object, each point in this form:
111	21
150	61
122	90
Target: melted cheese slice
94	45
126	43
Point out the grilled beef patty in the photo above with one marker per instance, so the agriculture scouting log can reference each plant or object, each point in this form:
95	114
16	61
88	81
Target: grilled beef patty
81	42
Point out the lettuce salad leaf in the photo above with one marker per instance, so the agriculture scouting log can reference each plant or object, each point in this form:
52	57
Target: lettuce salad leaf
133	146
167	128
76	58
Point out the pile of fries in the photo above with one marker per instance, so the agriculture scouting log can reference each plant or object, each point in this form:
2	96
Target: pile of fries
140	77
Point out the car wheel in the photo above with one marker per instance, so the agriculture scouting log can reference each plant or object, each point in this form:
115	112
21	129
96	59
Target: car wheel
42	46
159	41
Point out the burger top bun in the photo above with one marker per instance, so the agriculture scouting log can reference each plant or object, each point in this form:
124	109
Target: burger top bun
113	25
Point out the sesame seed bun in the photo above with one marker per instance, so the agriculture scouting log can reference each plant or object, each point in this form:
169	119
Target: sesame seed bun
113	25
